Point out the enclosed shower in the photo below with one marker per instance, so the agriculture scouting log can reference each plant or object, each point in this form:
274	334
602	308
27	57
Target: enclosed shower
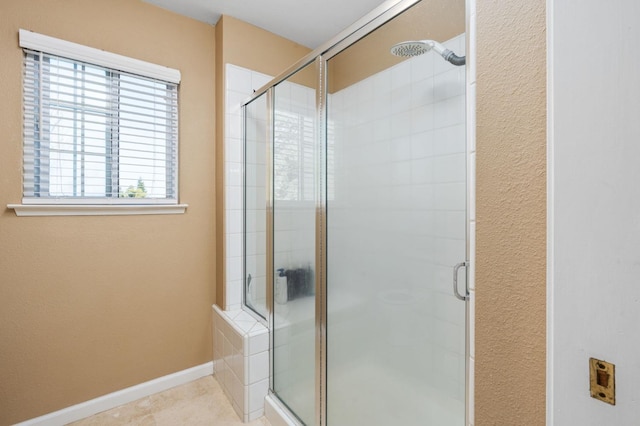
356	222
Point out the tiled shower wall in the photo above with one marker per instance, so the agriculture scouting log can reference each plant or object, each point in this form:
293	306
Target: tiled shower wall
255	197
241	361
241	343
240	85
425	100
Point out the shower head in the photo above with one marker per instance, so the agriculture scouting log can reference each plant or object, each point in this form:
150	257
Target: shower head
414	48
419	47
410	48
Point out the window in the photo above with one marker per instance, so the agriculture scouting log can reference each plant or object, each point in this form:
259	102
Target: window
99	128
294	156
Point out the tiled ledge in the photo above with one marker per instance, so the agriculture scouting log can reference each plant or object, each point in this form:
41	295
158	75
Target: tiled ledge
241	360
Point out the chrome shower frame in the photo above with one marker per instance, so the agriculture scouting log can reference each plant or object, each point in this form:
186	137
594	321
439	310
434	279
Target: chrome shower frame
376	18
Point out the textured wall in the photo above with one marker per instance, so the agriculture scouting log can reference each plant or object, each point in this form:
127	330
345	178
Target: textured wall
91	305
511	213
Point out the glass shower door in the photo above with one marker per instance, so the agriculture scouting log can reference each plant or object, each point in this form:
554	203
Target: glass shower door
255	211
396	227
294	243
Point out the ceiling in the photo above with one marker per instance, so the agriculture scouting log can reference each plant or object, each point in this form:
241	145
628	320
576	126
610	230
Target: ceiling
307	22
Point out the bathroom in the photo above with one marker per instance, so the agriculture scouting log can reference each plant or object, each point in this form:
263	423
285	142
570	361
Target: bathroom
396	162
77	327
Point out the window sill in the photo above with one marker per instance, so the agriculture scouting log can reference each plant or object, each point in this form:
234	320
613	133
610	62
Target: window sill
95	210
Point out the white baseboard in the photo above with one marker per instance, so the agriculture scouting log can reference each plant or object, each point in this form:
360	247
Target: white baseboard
124	396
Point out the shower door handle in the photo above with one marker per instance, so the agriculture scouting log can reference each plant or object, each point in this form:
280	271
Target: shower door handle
456	293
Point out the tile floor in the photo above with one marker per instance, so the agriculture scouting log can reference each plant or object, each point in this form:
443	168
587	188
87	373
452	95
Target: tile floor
198	403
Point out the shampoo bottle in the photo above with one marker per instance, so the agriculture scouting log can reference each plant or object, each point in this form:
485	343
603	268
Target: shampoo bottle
281	294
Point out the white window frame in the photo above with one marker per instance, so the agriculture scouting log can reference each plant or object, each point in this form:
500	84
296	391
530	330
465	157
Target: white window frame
87	206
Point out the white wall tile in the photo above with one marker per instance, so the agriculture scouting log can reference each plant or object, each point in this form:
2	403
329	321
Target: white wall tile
234	294
422	170
450	168
233	102
233	220
234	369
449	84
450	196
222	379
233	174
422	144
237	393
422	91
234	245
240	84
440	65
219	341
233	198
258	367
227	350
259	343
234	268
423	118
449	140
400	149
449	112
238	79
401	173
450	224
422	67
257	393
400	99
258	80
401	123
233	149
237	364
400	75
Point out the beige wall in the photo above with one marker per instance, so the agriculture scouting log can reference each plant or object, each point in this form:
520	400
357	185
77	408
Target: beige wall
244	45
438	20
511	213
90	305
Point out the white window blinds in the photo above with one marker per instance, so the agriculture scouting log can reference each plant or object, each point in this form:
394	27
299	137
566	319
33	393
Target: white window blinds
95	134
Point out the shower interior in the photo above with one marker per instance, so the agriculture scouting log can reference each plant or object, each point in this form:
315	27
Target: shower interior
364	179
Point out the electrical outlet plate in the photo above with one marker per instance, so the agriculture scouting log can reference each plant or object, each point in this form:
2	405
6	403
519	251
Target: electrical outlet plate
603	380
